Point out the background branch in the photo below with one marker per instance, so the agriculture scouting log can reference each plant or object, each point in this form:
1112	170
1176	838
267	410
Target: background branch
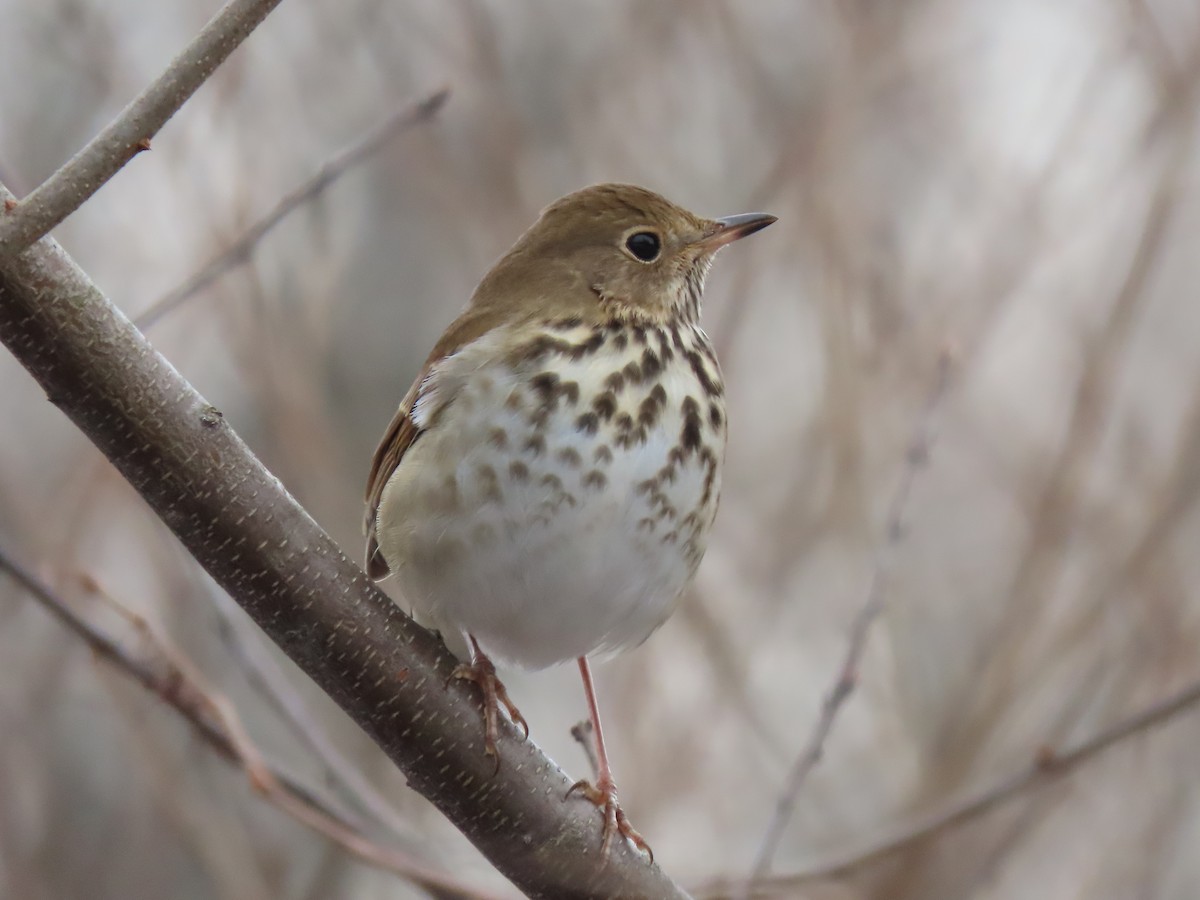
916	458
163	669
333	168
1047	767
265	675
156	676
388	674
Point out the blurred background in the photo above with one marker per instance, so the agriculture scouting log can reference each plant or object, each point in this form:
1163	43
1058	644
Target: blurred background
1006	192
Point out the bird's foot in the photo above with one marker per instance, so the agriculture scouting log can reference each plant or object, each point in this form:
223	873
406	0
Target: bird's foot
483	673
604	796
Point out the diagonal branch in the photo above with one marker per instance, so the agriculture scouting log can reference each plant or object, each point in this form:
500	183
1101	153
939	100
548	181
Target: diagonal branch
164	671
129	134
269	679
153	677
333	168
1047	767
387	673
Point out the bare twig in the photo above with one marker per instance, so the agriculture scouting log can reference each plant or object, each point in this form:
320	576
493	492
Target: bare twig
165	671
266	675
582	733
1046	768
240	251
111	650
179	678
916	458
1062	505
130	132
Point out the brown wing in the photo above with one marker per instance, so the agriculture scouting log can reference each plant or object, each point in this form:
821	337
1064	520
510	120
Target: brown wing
401	433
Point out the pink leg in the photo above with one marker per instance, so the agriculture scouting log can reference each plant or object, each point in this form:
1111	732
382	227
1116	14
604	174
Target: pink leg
604	792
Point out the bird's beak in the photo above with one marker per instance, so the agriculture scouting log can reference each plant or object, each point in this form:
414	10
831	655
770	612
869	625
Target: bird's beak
732	228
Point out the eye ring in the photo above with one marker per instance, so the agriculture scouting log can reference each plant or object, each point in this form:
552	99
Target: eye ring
644	246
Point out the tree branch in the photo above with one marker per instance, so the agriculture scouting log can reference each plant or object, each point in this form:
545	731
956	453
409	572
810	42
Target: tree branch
916	457
163	670
1047	767
388	674
333	168
158	678
273	684
23	222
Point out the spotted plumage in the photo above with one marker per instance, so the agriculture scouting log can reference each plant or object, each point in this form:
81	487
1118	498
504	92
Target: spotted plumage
609	586
546	489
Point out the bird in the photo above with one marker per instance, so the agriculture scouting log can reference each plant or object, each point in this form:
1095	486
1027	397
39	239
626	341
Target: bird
546	489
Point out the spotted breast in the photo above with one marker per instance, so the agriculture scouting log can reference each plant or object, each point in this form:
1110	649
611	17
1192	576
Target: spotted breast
564	501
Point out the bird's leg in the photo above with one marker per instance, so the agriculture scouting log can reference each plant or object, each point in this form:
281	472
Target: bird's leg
604	792
481	671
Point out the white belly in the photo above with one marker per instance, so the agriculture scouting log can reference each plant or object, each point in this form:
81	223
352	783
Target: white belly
553	543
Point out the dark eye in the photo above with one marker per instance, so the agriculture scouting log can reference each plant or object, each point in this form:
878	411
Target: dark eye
644	245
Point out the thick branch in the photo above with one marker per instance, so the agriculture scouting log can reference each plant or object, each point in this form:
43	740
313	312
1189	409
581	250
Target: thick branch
388	674
130	133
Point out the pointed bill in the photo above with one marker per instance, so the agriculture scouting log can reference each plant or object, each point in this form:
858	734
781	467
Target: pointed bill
731	228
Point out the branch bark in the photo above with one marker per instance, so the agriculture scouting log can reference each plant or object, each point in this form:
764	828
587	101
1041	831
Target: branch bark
388	674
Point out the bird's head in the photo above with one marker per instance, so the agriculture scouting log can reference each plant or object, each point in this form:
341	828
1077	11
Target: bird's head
617	251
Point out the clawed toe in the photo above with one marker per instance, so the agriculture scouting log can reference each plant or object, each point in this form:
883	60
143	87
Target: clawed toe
482	672
616	822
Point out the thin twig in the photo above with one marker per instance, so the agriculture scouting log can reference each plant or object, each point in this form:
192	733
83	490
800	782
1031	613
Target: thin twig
150	674
241	250
916	458
130	132
165	671
1046	768
181	678
266	675
582	733
1063	502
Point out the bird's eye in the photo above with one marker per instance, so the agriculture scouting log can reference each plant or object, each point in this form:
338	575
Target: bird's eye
644	245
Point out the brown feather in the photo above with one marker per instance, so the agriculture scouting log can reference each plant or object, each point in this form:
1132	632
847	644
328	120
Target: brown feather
402	432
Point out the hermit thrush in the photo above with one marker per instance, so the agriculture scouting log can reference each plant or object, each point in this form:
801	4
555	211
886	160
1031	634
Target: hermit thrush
546	489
